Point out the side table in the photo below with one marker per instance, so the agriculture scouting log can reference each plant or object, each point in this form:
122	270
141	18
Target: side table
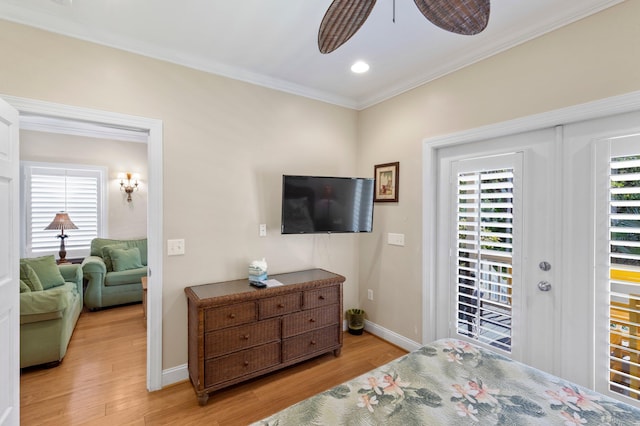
144	296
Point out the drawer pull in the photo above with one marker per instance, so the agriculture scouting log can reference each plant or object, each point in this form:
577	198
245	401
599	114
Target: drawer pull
313	342
246	363
312	320
280	305
232	316
245	337
321	297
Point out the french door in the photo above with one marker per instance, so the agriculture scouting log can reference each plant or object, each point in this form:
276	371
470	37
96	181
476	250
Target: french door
496	219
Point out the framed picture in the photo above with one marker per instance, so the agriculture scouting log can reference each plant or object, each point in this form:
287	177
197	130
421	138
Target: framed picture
387	178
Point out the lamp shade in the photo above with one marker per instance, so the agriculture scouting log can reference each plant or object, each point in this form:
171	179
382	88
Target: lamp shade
61	221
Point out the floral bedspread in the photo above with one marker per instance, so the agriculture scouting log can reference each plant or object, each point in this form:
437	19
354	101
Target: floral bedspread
451	382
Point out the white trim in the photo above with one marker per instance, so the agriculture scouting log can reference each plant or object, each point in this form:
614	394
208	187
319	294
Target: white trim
153	127
173	375
592	110
391	336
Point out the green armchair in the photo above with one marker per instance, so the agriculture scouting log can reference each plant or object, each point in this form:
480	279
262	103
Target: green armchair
113	272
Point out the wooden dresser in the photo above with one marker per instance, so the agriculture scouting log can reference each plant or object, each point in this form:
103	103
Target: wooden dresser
237	332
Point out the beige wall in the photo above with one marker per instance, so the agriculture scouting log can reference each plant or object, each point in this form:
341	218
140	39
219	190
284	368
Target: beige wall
594	58
124	220
226	146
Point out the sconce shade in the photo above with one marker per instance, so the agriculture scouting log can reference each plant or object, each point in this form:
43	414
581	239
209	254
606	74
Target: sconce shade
61	221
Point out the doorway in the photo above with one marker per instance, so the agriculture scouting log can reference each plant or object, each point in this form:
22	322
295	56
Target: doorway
153	129
495	214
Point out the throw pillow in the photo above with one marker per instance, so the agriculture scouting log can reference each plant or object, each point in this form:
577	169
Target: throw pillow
46	269
24	288
106	254
126	258
29	277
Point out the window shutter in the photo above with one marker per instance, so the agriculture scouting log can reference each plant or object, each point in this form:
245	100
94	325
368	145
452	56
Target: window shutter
50	190
484	256
624	274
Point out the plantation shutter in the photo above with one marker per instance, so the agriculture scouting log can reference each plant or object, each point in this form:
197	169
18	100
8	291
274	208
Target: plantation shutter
624	271
484	257
53	189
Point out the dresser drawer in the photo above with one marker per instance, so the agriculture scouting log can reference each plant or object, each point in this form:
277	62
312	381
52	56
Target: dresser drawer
233	339
311	319
225	368
320	297
311	342
279	305
228	316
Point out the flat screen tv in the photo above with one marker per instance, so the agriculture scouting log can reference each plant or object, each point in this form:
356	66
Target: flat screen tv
315	204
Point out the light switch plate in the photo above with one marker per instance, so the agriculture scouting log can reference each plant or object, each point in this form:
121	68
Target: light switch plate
263	230
175	247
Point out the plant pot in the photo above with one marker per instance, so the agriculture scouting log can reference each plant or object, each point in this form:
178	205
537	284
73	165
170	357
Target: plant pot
355	321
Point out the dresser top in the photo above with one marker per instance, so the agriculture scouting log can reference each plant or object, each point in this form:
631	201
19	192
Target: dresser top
242	287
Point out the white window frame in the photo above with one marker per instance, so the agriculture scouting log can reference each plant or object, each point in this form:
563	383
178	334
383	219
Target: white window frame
26	170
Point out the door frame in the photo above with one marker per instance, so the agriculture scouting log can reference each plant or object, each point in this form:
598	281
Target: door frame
154	222
432	327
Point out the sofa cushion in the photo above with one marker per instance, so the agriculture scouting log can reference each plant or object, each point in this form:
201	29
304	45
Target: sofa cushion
29	277
141	243
125	277
106	254
24	288
46	269
124	259
48	304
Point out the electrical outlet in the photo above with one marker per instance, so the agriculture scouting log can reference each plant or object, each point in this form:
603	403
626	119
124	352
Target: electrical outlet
395	239
175	247
370	294
263	230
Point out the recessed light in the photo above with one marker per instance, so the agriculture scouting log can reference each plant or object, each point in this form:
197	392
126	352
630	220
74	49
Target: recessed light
360	67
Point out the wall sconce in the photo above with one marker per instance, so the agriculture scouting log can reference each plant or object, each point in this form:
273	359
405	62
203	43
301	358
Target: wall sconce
128	187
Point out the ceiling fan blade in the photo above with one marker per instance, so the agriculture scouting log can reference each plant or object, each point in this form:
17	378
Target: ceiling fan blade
467	17
341	21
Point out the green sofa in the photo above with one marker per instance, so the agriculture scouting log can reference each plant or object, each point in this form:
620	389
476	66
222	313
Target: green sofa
50	305
113	272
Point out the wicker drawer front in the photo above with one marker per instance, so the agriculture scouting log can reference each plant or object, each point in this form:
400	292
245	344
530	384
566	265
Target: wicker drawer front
320	297
312	319
311	342
239	364
242	337
279	305
228	316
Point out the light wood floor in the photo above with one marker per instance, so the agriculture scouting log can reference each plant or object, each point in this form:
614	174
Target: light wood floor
102	380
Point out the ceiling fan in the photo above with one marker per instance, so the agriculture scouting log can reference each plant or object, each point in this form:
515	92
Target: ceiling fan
345	17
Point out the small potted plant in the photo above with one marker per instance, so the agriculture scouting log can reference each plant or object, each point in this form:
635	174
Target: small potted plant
355	321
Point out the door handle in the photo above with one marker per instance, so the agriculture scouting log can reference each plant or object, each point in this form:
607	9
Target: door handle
544	286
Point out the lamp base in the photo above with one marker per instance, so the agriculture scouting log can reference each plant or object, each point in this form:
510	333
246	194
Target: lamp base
63	251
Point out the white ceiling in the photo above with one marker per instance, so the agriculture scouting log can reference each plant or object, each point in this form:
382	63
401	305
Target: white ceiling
273	43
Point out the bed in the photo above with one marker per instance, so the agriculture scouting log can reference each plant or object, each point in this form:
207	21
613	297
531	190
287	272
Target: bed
452	382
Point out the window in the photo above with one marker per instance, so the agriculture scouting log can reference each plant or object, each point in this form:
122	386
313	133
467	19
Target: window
484	256
48	188
624	269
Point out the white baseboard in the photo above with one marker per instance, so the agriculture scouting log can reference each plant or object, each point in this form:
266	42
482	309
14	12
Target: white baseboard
391	336
174	375
180	373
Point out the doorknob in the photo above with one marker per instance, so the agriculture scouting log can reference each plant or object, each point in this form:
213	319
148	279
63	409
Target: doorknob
544	265
544	286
